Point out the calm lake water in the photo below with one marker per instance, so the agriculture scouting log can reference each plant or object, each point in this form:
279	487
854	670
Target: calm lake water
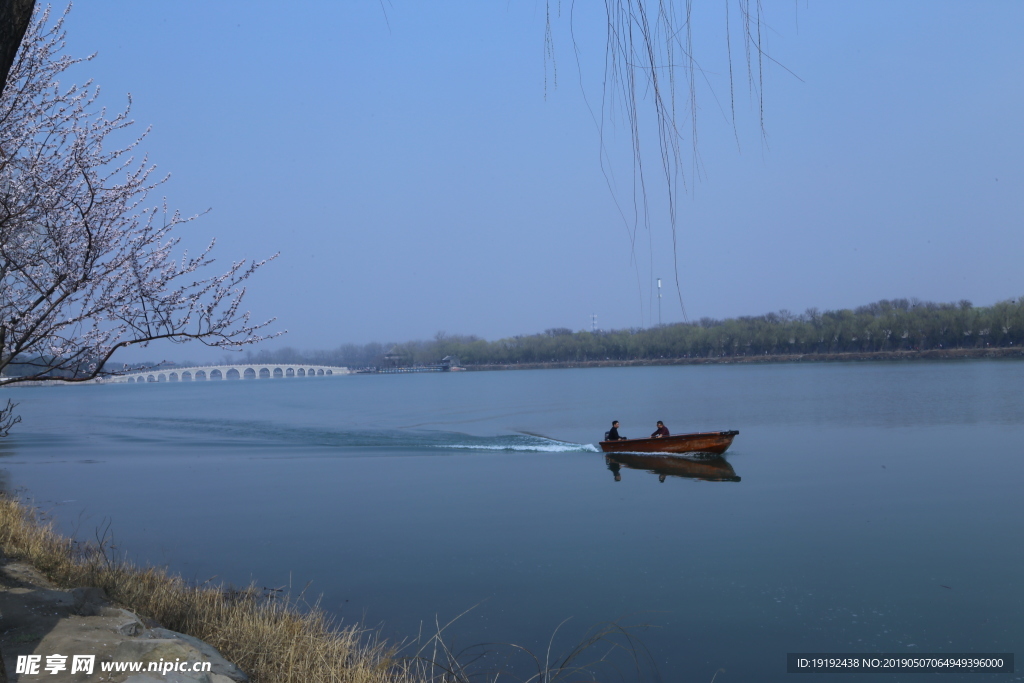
879	505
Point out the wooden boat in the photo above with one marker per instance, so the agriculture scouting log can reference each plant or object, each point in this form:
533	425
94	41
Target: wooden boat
700	442
714	468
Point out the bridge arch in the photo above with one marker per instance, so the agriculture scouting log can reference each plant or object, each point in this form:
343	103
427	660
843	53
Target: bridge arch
264	373
216	374
249	373
233	374
173	377
186	376
200	375
278	373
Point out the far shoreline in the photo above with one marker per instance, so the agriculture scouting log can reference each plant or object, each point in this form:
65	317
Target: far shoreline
929	354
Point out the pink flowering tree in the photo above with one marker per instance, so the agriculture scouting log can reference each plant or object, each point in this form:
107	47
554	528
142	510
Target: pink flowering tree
89	263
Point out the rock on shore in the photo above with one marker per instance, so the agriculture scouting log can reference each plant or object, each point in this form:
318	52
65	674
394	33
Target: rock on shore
37	618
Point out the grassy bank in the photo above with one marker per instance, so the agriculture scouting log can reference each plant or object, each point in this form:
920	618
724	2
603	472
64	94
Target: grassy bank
269	639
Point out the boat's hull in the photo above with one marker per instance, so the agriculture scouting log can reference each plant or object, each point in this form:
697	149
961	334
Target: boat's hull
702	442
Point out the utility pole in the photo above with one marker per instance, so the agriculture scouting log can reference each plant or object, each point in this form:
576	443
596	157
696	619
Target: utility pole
659	302
593	322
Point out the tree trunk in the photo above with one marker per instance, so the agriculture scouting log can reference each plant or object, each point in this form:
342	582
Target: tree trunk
15	16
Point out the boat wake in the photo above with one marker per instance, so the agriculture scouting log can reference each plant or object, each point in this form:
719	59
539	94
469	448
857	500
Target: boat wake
522	442
225	434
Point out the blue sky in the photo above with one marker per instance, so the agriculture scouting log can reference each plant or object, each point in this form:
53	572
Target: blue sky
419	170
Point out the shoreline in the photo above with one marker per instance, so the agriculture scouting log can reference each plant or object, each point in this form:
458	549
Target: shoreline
59	595
848	357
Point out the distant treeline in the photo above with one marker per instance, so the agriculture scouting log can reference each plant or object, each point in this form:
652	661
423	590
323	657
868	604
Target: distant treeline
23	367
896	325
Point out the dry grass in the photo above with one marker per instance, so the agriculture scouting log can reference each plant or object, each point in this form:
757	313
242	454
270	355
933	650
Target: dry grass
270	639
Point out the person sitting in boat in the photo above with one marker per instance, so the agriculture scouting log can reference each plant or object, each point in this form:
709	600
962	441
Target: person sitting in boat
661	431
613	433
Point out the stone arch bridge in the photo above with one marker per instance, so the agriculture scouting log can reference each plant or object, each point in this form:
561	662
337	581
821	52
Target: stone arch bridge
218	372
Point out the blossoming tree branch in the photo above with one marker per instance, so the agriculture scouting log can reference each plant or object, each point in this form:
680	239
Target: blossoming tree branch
87	262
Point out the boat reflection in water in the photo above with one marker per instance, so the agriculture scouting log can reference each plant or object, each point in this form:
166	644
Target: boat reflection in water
707	468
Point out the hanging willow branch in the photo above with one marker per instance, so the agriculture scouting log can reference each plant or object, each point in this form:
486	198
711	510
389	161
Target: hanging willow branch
651	69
